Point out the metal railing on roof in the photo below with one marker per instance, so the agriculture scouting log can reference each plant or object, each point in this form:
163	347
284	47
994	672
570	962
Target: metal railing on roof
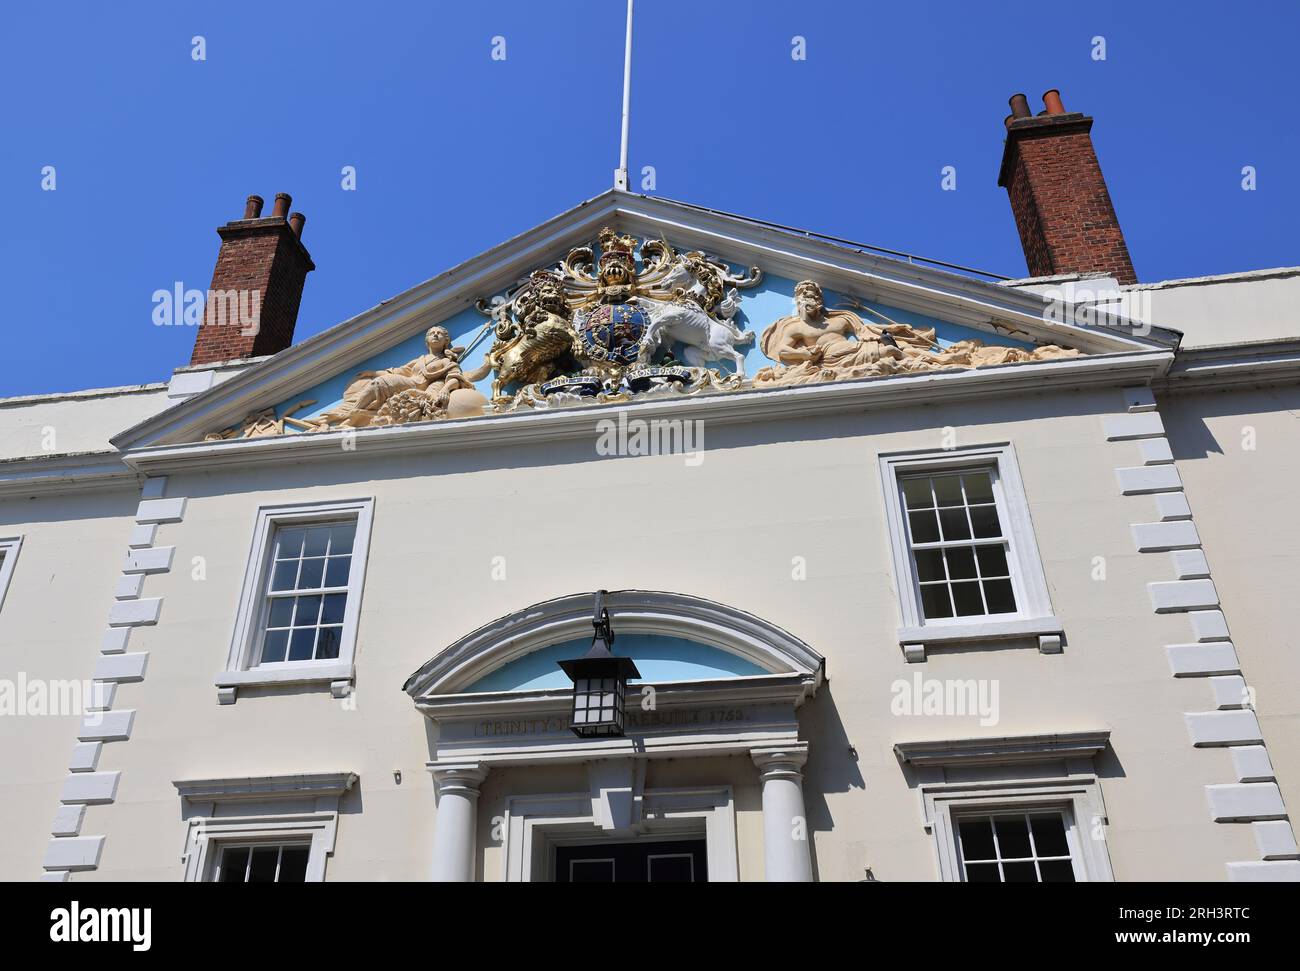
840	241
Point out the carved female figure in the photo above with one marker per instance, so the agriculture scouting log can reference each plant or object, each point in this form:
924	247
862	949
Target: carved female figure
433	375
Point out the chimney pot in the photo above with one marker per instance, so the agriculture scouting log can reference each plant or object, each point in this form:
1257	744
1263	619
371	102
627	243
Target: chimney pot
1052	102
1019	106
296	221
253	207
282	203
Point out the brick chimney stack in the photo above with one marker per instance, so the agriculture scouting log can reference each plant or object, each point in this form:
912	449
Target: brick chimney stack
1063	211
252	305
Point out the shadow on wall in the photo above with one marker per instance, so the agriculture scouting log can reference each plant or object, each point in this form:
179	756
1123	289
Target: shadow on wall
1187	418
832	763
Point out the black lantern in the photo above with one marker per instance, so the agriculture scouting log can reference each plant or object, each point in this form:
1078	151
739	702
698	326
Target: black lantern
599	681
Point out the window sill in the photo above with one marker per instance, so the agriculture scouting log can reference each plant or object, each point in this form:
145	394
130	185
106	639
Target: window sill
916	640
340	676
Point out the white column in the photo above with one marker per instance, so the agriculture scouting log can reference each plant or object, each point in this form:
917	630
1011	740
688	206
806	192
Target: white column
787	856
454	842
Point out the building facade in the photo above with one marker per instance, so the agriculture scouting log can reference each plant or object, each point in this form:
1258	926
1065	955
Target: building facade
925	576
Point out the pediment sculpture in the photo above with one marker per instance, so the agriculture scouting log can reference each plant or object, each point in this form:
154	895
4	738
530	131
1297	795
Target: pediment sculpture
602	326
428	388
815	344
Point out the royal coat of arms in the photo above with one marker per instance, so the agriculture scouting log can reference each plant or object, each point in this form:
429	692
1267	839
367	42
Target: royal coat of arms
612	311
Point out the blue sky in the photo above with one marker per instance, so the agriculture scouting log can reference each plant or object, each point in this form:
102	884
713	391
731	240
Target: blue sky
455	151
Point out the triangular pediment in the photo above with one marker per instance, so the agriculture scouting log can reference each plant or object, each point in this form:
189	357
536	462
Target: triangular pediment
711	297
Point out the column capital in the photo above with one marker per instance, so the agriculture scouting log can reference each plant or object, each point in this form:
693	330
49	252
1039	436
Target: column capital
458	777
776	761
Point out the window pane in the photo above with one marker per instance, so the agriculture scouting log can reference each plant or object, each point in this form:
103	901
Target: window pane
917	493
293	864
274	646
284	575
979	487
1001	599
983	873
925	528
313	572
318	541
1013	836
670	869
327	644
961	563
337	573
234	863
289	544
591	871
954	523
966	599
341	537
993	561
335	603
300	646
947	489
1057	871
935	602
1049	835
308	612
984	520
281	612
1020	872
976	839
929	565
263	868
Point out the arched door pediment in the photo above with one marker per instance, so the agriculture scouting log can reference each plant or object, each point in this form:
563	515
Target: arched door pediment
732	643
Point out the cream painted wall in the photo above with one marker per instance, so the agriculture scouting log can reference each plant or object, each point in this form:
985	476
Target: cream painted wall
1242	499
1234	309
80	422
726	530
51	625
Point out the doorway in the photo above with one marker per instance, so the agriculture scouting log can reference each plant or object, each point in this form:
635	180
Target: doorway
643	861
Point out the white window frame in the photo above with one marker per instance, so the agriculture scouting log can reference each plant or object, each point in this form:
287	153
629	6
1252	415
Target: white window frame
1079	800
242	669
1033	616
276	809
9	547
209	837
1012	774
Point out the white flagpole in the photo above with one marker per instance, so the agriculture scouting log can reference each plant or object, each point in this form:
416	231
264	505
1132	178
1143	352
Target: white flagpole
620	175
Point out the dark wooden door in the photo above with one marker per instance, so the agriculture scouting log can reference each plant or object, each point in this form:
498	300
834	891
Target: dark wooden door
645	861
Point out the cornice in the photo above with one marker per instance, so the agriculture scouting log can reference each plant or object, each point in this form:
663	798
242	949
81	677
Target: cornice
996	751
312	785
1233	366
60	474
790	688
497	431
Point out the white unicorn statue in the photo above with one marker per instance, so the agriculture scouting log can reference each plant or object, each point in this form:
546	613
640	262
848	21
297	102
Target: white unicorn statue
699	315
